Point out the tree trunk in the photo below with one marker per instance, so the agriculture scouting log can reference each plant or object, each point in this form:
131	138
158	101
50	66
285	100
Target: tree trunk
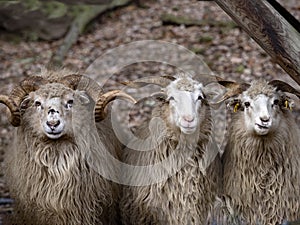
269	29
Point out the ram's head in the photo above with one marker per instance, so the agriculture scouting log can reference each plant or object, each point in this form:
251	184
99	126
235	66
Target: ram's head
46	106
261	103
184	98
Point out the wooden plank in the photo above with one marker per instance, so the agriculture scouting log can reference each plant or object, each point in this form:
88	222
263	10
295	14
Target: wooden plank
269	29
285	13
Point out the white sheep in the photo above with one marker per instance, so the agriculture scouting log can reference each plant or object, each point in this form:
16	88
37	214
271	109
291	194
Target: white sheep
50	164
261	179
180	191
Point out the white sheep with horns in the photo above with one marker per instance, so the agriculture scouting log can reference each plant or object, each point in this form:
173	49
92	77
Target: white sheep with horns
180	191
261	180
50	162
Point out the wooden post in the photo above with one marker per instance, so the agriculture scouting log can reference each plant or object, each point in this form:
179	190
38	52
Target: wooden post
269	29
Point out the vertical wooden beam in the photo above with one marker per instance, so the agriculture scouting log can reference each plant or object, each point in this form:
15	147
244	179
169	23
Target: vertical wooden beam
269	29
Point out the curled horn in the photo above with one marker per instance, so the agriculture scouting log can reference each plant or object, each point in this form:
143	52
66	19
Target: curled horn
282	86
158	95
14	117
81	82
71	80
25	87
232	88
161	81
17	95
206	78
104	99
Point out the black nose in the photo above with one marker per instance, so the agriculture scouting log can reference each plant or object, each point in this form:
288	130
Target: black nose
52	111
53	124
265	119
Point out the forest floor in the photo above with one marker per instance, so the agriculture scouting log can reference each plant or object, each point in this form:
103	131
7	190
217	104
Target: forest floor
226	49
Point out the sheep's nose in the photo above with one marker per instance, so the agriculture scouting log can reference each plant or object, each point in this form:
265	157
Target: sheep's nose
53	123
188	118
52	111
265	119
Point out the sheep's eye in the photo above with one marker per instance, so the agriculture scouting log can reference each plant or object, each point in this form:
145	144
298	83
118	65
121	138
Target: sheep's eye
69	103
247	104
276	102
37	103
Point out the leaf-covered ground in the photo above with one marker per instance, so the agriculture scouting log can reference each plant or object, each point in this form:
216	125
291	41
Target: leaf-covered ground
225	48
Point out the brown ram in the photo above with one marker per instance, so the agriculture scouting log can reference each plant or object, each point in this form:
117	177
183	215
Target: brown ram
51	165
181	190
262	157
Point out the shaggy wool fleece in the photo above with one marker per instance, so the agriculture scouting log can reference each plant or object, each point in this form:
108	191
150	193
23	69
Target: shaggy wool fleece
56	181
261	173
184	198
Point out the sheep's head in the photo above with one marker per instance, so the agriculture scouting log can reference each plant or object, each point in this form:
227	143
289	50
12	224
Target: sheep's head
184	97
46	106
48	111
261	106
261	103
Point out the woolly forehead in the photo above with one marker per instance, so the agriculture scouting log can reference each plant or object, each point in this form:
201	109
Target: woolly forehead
53	75
260	87
185	84
53	90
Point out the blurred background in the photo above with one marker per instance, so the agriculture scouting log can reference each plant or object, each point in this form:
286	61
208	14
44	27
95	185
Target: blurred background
73	33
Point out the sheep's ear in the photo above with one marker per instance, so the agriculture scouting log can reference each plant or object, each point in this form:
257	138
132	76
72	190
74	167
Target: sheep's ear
288	103
25	103
232	89
160	96
83	97
287	100
234	105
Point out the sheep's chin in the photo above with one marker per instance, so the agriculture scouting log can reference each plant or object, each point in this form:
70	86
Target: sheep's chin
261	130
54	135
188	130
